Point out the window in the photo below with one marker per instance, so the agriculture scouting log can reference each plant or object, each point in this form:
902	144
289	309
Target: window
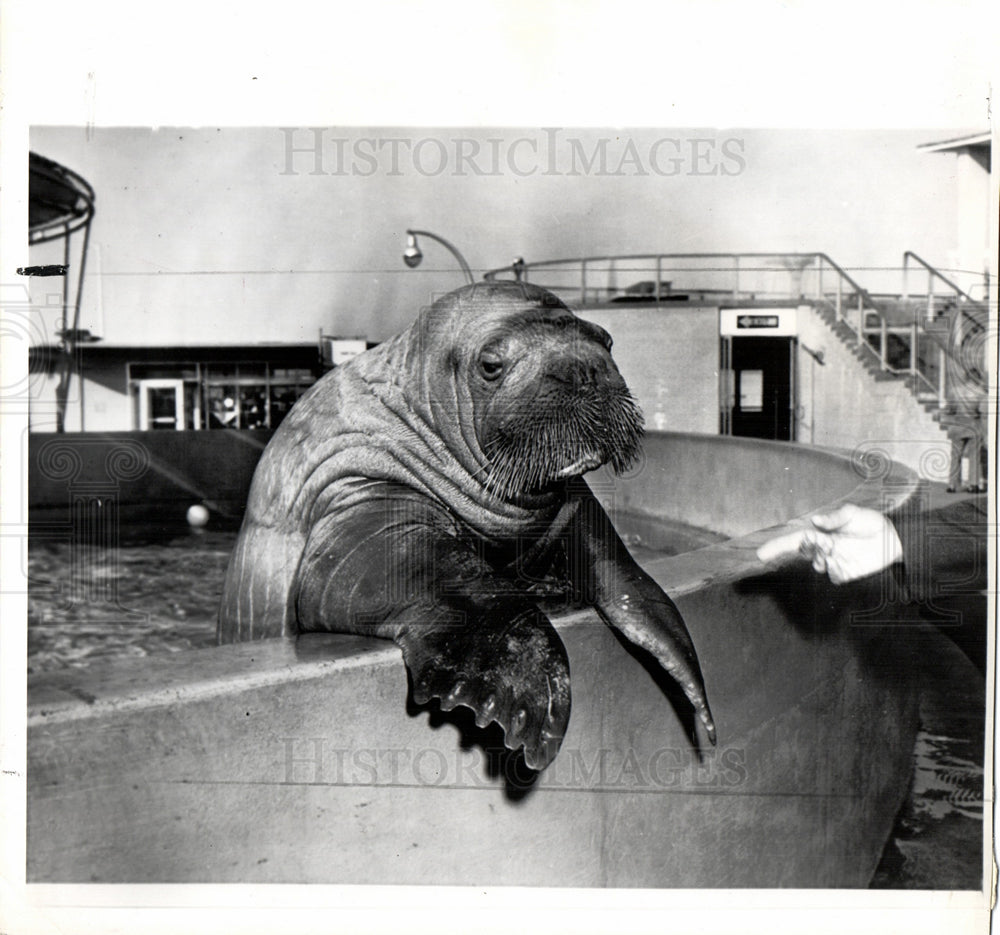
752	390
246	395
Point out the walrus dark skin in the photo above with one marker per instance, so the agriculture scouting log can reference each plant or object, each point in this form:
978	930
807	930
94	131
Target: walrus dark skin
424	490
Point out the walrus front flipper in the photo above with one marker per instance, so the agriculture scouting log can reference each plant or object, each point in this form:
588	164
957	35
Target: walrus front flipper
634	604
396	566
514	673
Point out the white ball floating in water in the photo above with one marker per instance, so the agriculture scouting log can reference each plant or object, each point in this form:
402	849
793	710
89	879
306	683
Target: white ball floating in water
197	515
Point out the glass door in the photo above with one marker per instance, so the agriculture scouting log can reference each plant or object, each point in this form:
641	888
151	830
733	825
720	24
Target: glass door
762	394
161	404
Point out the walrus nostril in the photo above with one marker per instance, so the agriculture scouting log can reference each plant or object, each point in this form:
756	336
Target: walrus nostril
592	372
576	373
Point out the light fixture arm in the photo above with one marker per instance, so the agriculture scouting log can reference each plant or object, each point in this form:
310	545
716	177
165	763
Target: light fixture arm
448	246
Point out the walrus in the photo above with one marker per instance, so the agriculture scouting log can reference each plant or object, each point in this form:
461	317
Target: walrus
430	491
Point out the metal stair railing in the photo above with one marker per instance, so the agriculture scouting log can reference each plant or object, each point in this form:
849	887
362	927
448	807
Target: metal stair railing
873	323
738	277
934	276
965	321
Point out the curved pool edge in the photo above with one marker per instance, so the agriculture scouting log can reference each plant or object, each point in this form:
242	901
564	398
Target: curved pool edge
881	485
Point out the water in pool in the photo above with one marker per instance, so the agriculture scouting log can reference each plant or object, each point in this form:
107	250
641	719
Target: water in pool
89	604
160	592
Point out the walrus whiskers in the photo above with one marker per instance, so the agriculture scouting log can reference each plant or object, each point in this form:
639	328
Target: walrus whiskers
533	448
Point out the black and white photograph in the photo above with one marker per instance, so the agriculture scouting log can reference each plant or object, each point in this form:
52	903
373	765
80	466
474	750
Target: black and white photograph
447	515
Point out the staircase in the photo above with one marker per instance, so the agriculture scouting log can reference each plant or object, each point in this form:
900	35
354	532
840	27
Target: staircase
934	342
928	349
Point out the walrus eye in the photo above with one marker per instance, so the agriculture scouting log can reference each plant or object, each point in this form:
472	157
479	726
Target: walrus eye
490	365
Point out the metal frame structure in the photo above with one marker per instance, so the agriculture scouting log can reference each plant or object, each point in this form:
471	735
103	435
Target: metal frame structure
61	203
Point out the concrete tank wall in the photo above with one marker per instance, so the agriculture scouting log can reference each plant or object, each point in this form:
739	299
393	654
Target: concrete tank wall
301	760
730	485
148	476
254	763
727	485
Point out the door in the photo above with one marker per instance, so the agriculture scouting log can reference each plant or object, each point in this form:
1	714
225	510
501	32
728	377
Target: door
161	404
762	387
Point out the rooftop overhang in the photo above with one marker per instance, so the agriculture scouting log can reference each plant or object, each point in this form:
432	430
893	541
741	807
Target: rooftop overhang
975	144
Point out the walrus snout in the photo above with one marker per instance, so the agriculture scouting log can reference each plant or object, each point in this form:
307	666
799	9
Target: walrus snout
549	401
577	371
579	416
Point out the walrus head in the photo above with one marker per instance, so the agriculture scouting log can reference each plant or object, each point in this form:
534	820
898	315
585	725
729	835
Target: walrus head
548	402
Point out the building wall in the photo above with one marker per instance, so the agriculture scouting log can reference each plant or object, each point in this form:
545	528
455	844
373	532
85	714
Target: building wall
669	356
973	180
105	405
101	403
258	384
42	410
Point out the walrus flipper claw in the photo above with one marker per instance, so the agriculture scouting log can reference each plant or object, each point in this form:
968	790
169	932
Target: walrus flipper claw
514	674
631	602
659	629
392	567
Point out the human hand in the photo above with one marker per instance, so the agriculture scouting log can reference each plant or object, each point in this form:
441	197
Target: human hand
848	543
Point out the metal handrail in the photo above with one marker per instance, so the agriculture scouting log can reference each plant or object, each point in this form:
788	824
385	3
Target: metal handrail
586	261
934	273
960	318
850	279
866	304
658	258
863	310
